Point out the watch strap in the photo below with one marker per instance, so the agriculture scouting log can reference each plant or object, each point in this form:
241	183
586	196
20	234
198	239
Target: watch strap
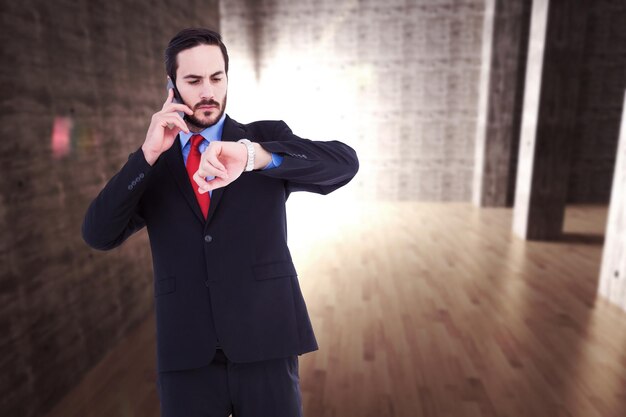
250	148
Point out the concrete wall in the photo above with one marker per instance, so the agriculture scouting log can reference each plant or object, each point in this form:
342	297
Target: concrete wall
501	96
600	103
553	72
79	82
398	81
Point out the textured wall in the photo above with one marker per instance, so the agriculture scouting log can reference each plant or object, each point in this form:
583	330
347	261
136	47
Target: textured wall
599	110
553	72
505	45
400	82
79	82
397	80
601	80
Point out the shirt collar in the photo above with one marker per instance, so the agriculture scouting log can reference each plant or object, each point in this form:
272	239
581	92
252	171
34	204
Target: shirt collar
211	133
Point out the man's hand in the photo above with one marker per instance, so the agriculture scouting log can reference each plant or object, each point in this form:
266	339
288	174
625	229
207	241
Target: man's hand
226	161
164	127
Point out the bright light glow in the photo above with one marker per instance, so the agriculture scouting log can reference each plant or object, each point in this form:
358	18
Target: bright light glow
319	97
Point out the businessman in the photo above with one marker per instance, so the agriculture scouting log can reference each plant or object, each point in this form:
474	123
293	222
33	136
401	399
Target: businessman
230	316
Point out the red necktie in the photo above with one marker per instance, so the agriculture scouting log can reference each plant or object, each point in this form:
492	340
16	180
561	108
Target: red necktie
193	163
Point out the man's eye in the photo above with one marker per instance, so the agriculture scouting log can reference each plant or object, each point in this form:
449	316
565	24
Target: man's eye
217	80
194	82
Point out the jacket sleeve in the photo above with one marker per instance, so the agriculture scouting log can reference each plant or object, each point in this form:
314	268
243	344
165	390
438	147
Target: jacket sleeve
315	166
114	214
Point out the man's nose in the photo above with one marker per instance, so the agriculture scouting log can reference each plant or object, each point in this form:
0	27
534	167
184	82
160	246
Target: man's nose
207	91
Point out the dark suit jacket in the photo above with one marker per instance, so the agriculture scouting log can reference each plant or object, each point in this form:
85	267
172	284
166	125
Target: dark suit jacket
230	277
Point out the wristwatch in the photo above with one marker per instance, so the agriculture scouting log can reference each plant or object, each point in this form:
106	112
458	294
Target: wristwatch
248	144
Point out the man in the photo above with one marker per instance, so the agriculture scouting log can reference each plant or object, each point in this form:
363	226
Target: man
231	319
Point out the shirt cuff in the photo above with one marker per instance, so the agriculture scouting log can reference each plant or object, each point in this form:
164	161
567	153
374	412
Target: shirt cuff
275	162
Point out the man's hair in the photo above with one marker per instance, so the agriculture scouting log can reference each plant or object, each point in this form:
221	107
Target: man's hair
188	38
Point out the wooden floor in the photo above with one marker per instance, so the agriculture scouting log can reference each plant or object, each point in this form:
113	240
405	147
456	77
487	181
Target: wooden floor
427	310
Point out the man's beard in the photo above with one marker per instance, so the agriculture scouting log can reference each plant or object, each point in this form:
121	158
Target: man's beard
193	120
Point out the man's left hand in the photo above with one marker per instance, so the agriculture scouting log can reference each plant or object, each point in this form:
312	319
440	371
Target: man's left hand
226	161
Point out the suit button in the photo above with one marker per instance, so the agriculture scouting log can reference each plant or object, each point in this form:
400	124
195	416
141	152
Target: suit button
208	238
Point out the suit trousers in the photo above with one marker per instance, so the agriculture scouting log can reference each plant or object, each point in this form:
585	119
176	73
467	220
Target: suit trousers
269	388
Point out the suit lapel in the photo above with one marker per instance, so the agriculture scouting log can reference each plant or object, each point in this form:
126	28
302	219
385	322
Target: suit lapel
174	159
232	132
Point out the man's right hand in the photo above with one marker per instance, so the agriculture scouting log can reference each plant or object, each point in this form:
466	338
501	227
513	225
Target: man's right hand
164	127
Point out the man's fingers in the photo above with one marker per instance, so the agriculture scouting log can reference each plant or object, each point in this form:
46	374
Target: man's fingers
212	159
170	96
175	115
170	121
203	185
206	169
209	162
214	184
170	105
177	107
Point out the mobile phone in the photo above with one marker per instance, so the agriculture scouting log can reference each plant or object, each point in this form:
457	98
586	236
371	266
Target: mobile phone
177	98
